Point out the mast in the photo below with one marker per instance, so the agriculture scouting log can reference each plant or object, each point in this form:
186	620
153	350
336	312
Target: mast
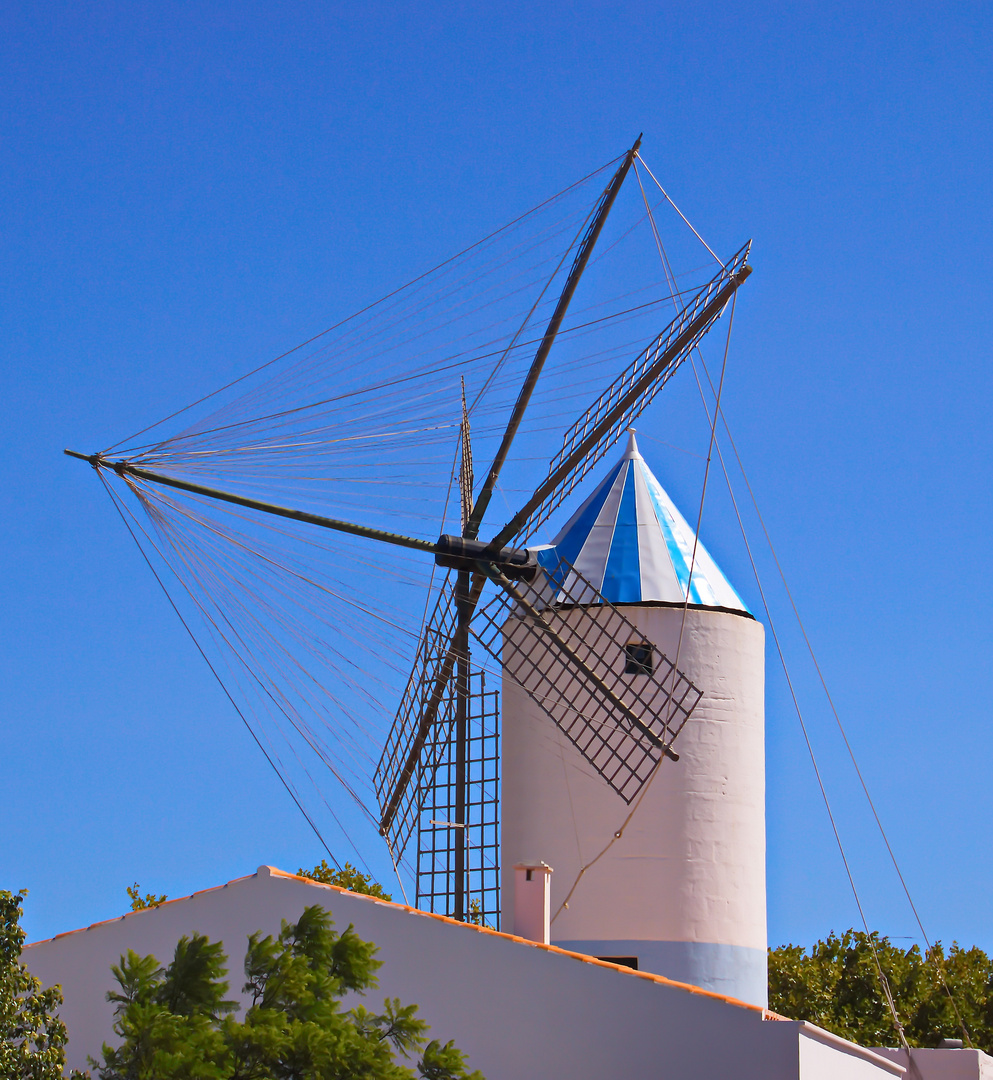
463	615
578	266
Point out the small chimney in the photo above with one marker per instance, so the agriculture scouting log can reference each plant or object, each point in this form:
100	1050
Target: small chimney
532	901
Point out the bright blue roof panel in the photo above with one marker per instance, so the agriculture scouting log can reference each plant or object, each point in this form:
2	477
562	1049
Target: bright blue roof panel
629	540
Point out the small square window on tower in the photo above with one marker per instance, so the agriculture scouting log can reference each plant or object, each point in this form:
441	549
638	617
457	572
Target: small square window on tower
638	658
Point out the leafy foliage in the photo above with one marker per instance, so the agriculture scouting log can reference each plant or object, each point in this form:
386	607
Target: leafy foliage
175	1023
347	878
836	986
138	902
32	1037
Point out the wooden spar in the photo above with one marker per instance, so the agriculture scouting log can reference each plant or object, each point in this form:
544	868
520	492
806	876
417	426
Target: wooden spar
467	598
578	266
552	481
124	468
462	675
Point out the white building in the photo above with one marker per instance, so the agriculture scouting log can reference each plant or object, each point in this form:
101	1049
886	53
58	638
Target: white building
519	1009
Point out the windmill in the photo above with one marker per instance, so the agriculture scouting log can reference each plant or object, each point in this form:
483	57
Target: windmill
500	578
430	730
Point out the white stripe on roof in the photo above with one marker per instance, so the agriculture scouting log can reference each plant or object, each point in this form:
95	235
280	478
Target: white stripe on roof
598	541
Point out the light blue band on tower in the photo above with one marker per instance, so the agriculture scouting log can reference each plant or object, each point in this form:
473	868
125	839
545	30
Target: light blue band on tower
733	970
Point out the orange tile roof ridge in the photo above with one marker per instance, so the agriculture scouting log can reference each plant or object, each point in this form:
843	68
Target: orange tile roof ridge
273	871
650	976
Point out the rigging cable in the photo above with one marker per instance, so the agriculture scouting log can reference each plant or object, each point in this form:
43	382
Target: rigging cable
368	307
527	318
266	690
883	981
275	769
678	211
844	735
186	554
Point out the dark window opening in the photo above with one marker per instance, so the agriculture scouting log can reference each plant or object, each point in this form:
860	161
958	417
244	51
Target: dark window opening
639	659
621	961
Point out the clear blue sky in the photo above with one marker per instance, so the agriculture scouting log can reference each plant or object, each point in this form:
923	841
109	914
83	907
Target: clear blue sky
188	189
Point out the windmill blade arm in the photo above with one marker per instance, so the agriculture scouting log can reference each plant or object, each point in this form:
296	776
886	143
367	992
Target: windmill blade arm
575	273
585	443
403	766
564	645
126	469
572	658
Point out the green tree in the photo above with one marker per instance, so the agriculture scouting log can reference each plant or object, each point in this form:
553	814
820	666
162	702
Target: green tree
138	902
347	878
836	985
32	1037
175	1023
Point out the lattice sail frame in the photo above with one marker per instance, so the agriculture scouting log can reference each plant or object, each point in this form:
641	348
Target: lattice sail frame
662	352
621	723
433	650
481	835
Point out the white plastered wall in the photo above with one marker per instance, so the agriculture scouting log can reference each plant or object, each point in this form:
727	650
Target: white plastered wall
943	1063
690	866
520	1010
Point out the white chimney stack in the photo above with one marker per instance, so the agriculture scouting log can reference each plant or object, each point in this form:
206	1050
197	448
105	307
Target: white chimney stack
533	901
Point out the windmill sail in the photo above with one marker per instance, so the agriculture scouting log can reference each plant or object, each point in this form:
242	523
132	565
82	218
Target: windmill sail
596	431
410	759
621	724
313	441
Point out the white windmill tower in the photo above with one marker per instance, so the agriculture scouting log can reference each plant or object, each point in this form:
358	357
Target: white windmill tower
681	890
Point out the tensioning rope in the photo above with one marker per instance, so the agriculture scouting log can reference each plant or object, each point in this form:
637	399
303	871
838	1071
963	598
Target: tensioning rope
267	691
841	728
368	307
289	789
678	211
713	421
883	981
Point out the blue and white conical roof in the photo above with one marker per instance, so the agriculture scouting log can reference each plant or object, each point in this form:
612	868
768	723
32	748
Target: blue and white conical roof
630	542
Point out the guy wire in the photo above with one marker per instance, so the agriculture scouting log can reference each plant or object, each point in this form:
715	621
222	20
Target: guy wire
883	981
368	307
172	604
851	753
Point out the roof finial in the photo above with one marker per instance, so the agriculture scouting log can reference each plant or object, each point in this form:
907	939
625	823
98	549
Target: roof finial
632	450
